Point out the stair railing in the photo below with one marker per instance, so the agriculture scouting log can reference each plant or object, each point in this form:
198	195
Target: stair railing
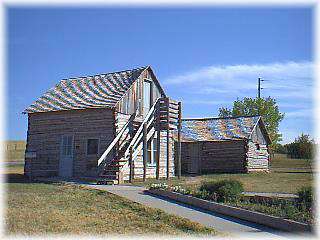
136	142
103	157
149	119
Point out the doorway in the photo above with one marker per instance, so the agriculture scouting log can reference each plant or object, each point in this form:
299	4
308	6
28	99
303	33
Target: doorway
66	156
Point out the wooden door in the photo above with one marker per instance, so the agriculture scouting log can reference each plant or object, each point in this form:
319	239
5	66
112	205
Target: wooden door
194	158
66	156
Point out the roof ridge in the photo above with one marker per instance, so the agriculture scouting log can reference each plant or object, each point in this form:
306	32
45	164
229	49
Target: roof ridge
99	74
213	118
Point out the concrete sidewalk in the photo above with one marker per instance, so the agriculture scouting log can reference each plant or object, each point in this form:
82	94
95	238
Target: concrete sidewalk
219	222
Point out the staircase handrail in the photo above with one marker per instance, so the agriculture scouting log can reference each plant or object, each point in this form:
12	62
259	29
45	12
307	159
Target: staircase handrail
139	131
113	143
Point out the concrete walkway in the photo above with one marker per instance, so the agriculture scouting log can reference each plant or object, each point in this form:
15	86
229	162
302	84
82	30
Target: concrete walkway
219	222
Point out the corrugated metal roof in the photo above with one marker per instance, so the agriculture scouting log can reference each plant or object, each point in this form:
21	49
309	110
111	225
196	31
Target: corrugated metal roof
99	91
217	129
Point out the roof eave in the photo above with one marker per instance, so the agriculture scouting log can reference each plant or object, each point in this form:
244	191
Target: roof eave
61	110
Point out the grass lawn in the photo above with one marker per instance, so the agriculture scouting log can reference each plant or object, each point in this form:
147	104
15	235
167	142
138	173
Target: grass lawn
286	176
38	208
280	162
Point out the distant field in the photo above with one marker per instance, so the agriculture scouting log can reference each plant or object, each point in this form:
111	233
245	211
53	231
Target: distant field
14	150
281	161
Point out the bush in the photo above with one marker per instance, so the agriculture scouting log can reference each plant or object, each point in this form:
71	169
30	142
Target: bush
306	197
203	194
225	190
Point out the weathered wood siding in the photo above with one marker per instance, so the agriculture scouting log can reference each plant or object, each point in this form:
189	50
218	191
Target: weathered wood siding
226	156
132	101
213	156
257	154
257	160
45	131
151	169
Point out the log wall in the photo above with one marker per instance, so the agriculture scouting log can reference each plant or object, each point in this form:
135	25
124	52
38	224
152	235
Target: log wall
257	160
45	131
213	156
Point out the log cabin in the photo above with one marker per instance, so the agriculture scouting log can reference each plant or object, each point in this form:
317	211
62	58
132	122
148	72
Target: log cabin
114	127
224	145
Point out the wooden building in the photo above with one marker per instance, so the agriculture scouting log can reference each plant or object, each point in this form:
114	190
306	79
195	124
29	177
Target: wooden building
224	145
116	126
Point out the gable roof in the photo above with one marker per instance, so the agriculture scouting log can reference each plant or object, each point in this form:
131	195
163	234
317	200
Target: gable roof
98	91
217	129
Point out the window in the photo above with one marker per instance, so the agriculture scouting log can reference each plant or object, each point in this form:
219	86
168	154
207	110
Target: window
147	91
67	145
257	146
92	146
152	151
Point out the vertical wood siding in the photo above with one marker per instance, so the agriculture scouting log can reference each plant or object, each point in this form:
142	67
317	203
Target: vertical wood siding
151	169
133	99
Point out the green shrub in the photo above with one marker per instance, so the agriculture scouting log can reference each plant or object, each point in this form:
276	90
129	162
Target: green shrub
306	197
203	194
225	190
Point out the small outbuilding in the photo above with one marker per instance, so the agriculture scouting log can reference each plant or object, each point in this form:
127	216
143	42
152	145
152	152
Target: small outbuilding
224	145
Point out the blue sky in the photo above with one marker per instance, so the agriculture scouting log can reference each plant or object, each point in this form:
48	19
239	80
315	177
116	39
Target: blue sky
206	57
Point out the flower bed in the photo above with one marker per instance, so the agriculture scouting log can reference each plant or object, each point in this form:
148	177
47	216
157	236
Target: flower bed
283	208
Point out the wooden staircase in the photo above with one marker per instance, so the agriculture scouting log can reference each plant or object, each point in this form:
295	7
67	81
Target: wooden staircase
132	138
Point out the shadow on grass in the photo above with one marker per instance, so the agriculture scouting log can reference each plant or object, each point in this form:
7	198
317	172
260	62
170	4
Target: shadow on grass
16	178
20	178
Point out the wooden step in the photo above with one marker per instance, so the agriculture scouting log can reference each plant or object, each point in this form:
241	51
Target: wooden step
120	160
115	165
108	176
111	170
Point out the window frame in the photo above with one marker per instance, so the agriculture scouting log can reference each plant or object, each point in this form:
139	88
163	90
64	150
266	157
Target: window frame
150	81
62	149
98	150
257	146
152	151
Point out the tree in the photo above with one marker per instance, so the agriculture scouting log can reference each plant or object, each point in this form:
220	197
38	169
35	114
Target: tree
265	107
302	147
279	148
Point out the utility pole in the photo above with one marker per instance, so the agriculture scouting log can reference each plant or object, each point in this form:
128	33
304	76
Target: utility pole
259	87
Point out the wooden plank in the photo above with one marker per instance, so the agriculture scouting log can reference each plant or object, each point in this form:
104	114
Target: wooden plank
168	139
145	150
131	165
158	145
179	144
114	142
